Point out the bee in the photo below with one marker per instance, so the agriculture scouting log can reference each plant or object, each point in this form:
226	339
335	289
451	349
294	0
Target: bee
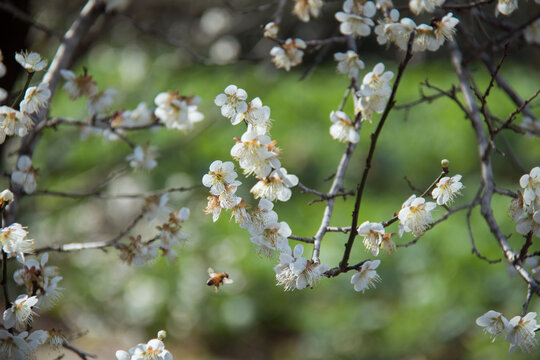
217	279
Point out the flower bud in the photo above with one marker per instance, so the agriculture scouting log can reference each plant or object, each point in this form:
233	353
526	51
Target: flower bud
445	163
162	334
6	197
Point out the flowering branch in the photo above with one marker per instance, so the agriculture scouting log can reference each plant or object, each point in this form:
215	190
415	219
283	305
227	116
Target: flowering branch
360	187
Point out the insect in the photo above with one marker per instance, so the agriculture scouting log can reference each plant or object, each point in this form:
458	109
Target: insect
217	279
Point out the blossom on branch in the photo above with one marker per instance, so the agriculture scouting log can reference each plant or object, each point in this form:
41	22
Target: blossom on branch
137	252
20	313
419	6
232	102
276	186
355	17
506	7
220	176
374	92
100	102
349	63
343	128
447	188
303	8
14	241
13	122
373	236
153	350
296	272
521	332
493	323
273	237
178	112
415	215
256	154
271	30
78	86
367	276
289	54
31	62
143	157
35	98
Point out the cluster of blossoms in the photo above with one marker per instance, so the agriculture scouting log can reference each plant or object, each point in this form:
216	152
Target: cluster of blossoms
520	330
258	155
170	234
83	86
525	209
427	37
414	216
41	286
19	122
172	110
153	349
372	96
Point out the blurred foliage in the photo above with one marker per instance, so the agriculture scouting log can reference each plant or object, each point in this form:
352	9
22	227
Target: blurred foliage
430	293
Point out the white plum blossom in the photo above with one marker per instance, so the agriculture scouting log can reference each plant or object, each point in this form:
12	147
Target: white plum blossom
137	252
262	216
289	54
296	272
493	323
153	350
39	279
156	207
171	233
425	39
13	122
447	188
521	331
366	277
274	237
527	218
349	63
78	86
271	30
177	112
445	28
143	157
232	102
531	186
303	8
241	215
142	115
14	241
6	197
20	313
276	186
35	98
100	102
373	236
415	215
419	6
220	176
25	175
213	207
256	116
532	33
507	7
31	62
374	92
21	346
342	128
256	154
355	17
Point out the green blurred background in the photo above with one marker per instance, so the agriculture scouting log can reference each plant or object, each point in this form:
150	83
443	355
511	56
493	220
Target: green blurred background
430	294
